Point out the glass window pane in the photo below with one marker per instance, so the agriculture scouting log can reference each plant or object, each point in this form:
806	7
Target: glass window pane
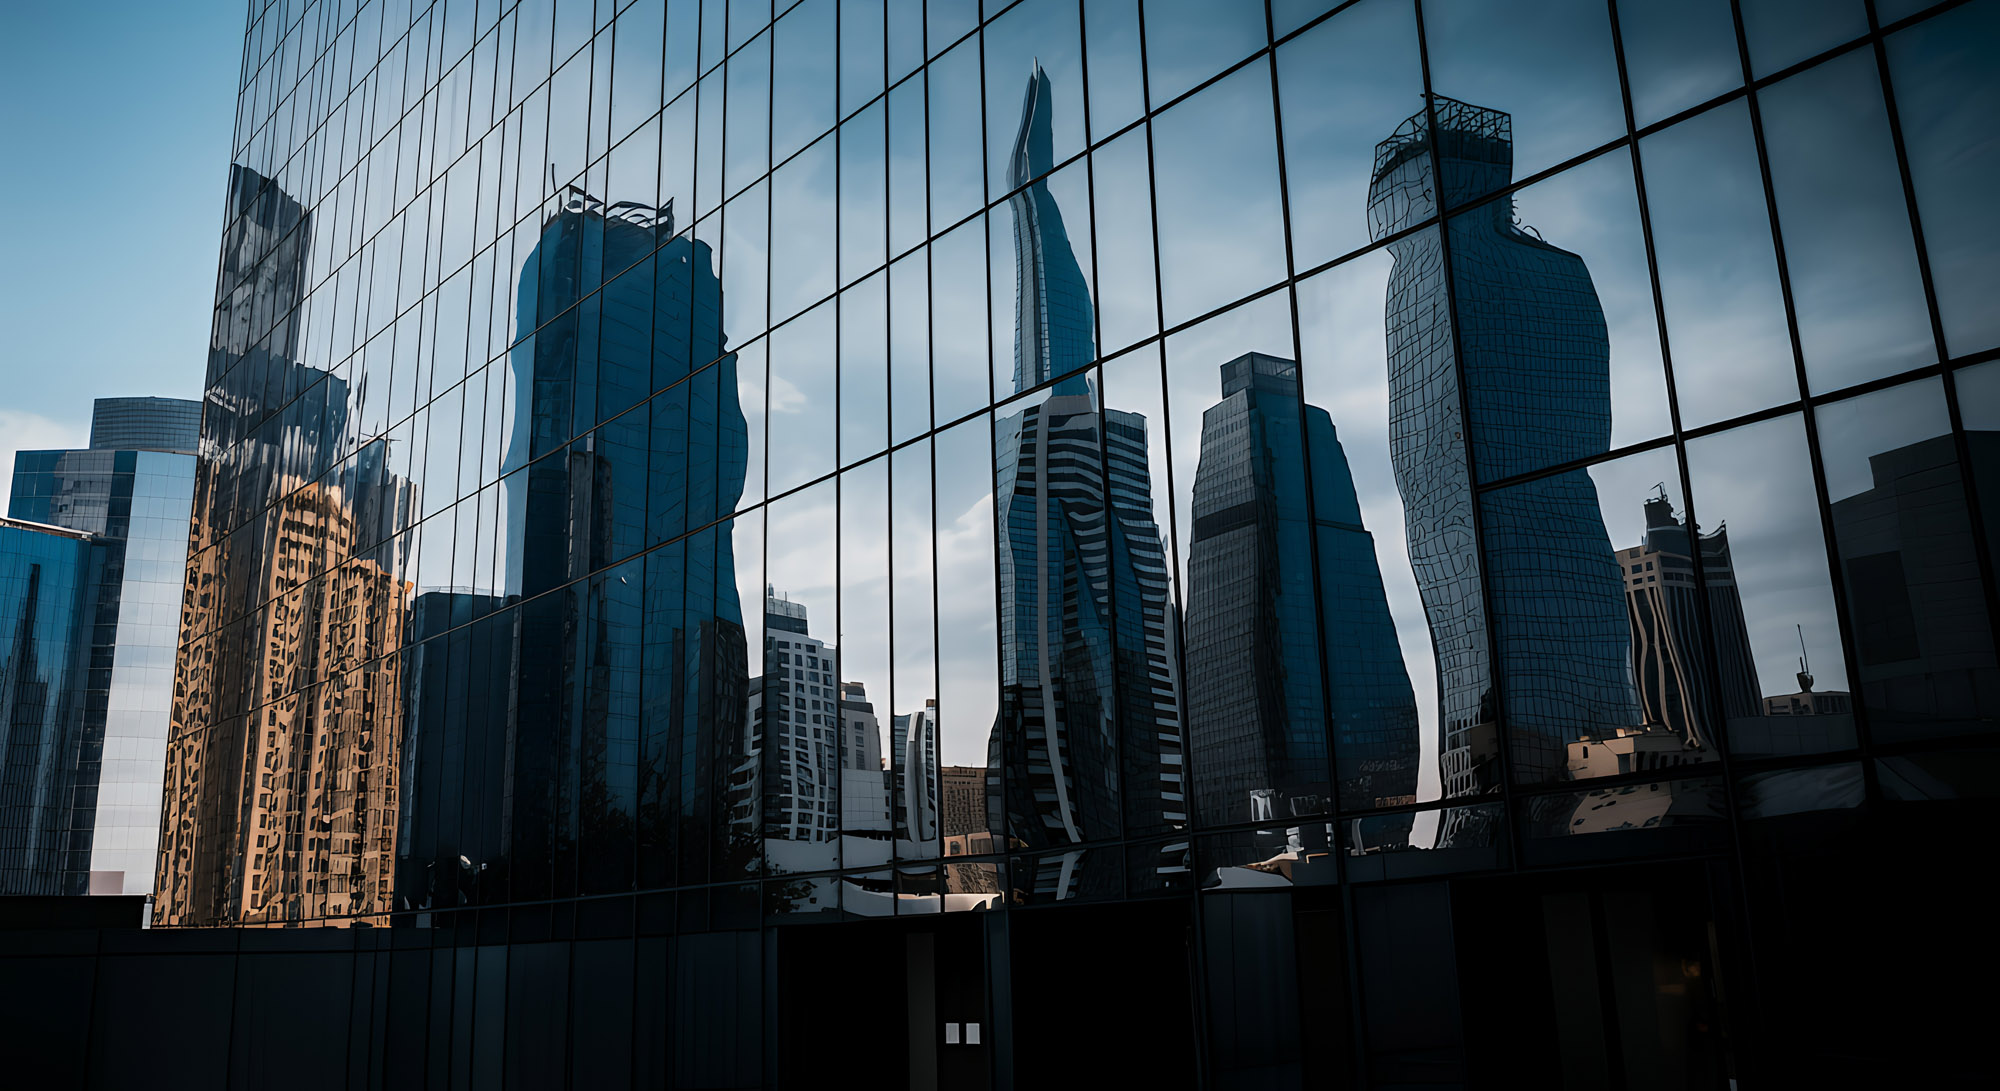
909	348
802	77
1785	32
958	322
636	73
1216	173
1846	227
747	144
802	399
1187	41
1128	306
1365	61
1915	603
1677	55
860	53
956	170
1549	67
908	203
1771	605
864	369
1117	91
1718	276
864	222
746	260
1947	90
803	224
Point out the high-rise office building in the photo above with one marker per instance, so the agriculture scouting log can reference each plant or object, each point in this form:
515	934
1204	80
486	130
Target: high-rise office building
978	266
130	491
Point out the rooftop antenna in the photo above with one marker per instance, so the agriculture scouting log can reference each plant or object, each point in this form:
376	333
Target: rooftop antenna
1805	667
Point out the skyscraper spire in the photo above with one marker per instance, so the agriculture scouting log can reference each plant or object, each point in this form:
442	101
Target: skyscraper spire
1052	322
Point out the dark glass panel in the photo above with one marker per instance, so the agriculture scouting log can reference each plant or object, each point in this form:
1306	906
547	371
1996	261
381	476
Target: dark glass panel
1902	531
637	53
746	147
1549	67
1718	276
864	369
1855	284
1117	88
1947	90
1677	55
956	170
1781	33
1365	59
1764	555
861	57
1188	41
958	322
908	188
1216	178
803	93
864	217
1128	306
803	230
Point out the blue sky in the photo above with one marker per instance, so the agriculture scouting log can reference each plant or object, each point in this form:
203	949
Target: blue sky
115	117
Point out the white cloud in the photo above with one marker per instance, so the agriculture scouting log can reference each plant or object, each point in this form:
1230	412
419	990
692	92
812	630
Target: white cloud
21	430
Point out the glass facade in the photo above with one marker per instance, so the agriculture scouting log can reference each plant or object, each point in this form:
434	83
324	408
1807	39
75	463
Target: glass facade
1340	513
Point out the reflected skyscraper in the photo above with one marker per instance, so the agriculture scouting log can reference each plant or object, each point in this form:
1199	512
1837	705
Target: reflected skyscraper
130	491
1257	713
283	743
1052	318
1529	341
624	696
1677	688
49	579
1089	732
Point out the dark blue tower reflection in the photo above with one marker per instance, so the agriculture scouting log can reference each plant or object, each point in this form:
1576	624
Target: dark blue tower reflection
1257	713
1533	355
615	722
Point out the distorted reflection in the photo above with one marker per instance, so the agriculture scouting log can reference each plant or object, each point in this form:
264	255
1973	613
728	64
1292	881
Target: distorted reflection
1903	533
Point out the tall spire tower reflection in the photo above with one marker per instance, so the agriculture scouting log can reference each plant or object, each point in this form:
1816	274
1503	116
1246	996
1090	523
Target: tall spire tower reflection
1088	741
1052	315
1534	358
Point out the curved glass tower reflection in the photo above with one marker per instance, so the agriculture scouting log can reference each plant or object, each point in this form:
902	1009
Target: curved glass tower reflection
1089	731
1533	357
